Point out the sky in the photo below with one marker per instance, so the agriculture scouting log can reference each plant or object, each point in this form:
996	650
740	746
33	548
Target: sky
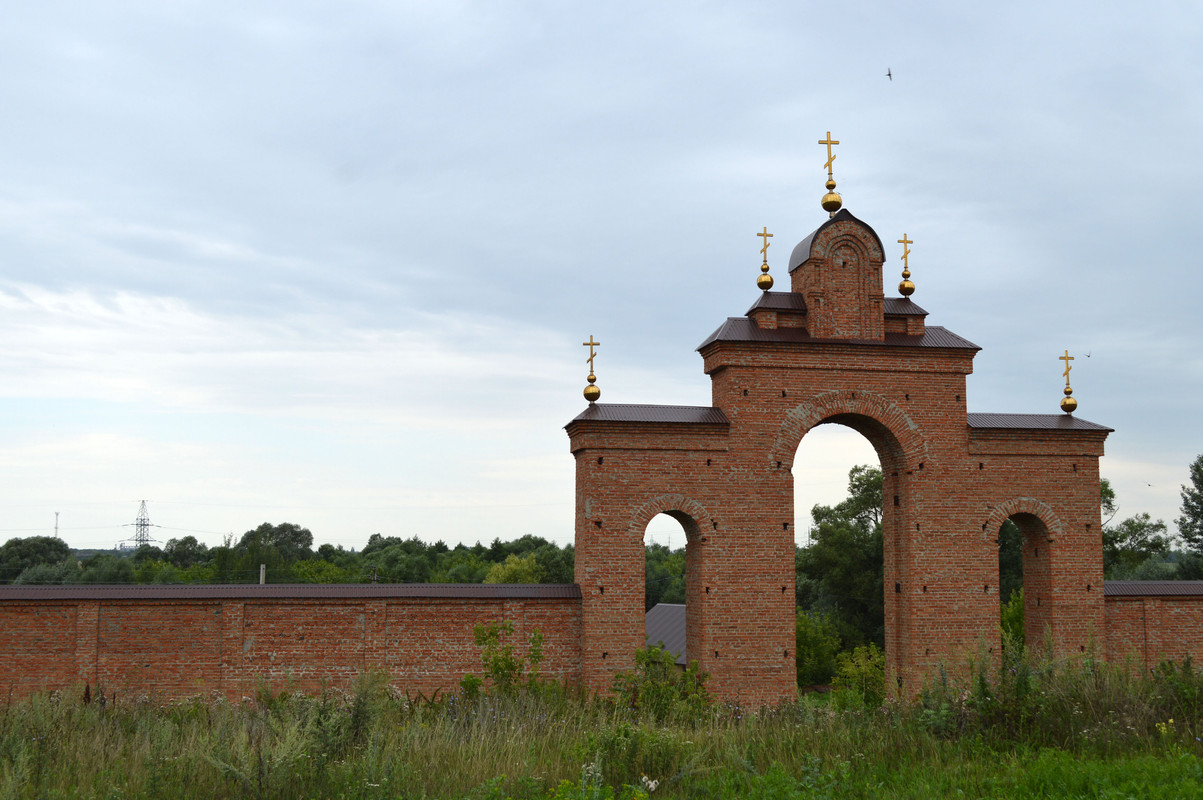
333	263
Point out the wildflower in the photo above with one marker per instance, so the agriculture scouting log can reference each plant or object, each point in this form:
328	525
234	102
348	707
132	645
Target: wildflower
649	784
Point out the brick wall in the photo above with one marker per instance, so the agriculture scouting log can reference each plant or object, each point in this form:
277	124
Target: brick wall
1142	630
178	641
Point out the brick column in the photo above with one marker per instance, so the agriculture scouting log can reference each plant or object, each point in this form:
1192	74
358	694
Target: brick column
233	678
87	626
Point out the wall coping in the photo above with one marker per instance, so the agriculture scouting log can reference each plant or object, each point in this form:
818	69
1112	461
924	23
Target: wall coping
298	591
1152	589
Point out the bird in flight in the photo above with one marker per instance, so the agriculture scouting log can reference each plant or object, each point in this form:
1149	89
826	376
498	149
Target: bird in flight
889	74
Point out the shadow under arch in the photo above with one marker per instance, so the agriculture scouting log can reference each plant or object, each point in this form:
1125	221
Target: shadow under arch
1039	527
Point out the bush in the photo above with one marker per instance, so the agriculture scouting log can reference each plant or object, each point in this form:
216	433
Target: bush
1011	621
660	689
505	670
818	642
863	673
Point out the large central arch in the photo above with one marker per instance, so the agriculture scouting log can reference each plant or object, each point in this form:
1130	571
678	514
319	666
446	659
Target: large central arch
880	422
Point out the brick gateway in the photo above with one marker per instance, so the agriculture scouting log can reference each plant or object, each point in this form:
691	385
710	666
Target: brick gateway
832	350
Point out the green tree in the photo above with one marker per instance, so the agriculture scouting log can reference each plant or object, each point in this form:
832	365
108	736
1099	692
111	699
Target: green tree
289	542
107	568
18	555
843	564
461	565
1190	524
1130	543
664	575
52	574
515	569
185	552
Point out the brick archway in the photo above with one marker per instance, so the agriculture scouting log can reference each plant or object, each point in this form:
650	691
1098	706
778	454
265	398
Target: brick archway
1040	530
685	510
846	404
1023	505
831	349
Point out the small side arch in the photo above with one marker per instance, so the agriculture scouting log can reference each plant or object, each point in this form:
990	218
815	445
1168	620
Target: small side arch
847	403
685	510
1023	505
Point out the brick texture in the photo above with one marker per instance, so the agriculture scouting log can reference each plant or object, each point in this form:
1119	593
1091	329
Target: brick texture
947	487
175	648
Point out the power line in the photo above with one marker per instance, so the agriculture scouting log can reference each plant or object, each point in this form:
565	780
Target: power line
142	526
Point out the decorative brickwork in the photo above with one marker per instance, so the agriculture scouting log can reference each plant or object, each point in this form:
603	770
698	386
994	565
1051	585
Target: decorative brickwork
834	350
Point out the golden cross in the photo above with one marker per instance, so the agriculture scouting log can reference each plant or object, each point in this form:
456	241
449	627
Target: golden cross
1066	358
590	344
906	251
830	156
765	250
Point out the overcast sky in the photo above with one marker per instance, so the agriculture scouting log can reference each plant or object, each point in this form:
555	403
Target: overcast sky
332	263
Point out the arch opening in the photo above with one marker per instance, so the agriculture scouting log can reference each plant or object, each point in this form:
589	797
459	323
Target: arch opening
1024	557
671	543
849	551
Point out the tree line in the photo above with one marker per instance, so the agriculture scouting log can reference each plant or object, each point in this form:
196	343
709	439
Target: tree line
286	551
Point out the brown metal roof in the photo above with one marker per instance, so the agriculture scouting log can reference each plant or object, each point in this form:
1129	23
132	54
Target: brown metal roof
1153	588
1042	422
901	307
624	412
300	591
664	624
802	249
792	301
742	329
779	301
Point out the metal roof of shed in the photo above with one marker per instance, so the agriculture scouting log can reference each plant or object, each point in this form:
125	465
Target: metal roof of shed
664	624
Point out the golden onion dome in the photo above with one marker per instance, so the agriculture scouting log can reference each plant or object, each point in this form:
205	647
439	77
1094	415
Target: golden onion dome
831	201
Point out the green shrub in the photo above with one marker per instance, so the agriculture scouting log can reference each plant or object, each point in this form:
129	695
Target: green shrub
1011	621
657	687
863	673
505	670
818	643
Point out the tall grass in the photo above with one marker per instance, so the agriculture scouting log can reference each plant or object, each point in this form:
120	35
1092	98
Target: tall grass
1026	729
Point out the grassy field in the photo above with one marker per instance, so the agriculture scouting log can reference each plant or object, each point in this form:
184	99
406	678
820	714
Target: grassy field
1083	730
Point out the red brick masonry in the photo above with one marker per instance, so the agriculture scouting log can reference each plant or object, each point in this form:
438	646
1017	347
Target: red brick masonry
173	641
1153	621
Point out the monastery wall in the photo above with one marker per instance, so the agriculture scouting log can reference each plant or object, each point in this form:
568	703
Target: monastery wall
165	642
1144	630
